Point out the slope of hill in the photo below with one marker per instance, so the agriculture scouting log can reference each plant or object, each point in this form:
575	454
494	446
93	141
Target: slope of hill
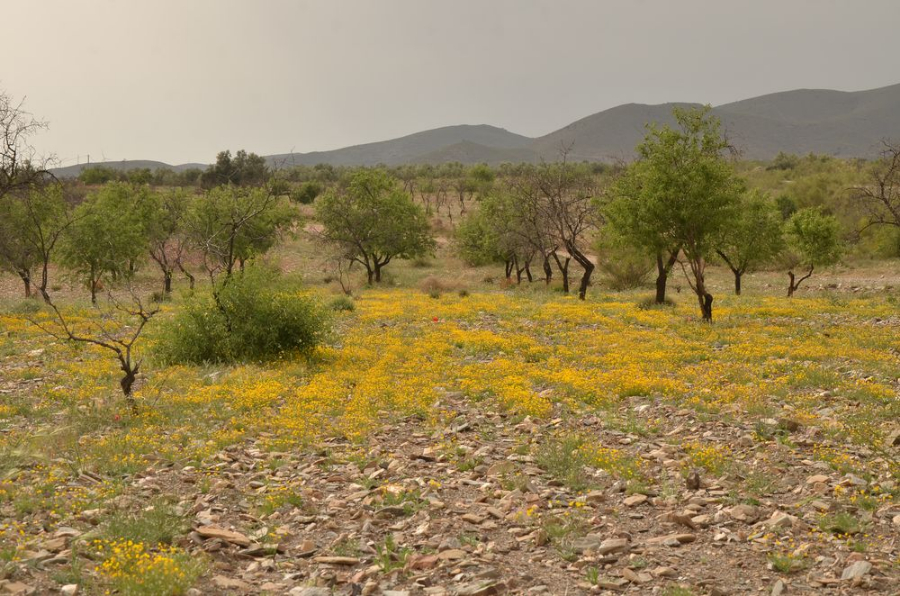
123	166
406	149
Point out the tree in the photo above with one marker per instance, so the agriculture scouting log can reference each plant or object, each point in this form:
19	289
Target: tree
230	225
244	169
754	237
117	331
683	193
373	221
31	224
813	237
881	197
18	168
495	233
559	202
108	236
165	225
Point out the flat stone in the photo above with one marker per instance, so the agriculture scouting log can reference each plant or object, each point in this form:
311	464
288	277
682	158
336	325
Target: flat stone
817	479
337	560
230	583
224	534
635	500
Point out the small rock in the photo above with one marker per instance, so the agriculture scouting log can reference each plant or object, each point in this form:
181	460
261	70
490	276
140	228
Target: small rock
817	479
301	591
856	570
229	583
778	588
69	590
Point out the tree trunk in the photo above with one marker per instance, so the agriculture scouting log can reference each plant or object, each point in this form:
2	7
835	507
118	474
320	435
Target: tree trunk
45	280
563	267
585	280
737	281
548	270
26	280
706	301
377	273
370	275
508	268
93	283
528	271
795	283
661	278
167	282
662	274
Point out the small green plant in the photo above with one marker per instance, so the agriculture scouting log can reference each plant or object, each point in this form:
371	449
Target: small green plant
390	557
342	303
592	574
159	523
787	561
562	459
841	523
410	501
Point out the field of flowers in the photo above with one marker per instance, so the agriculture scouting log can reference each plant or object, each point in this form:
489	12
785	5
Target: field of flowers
772	389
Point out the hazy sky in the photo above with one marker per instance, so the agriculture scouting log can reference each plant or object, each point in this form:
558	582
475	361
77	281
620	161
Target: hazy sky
179	80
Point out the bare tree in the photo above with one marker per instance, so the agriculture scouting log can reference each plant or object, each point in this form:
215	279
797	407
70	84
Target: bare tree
120	341
881	198
563	196
18	166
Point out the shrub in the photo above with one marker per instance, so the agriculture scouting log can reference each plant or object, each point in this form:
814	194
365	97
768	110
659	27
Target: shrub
435	286
254	315
626	268
342	303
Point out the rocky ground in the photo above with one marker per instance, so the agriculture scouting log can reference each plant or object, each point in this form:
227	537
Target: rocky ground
465	509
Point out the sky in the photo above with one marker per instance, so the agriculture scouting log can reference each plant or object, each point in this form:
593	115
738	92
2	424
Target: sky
180	80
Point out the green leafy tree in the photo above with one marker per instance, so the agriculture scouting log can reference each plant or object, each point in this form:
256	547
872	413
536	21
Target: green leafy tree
31	224
165	226
682	193
108	236
244	169
230	225
754	238
813	237
373	221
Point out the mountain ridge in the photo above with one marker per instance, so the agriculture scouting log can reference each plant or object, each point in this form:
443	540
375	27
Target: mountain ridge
801	121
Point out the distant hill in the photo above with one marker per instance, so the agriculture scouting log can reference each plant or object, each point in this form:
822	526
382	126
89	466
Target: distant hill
408	149
123	166
839	123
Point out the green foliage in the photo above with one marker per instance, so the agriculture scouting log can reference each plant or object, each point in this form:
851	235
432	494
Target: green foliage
254	315
108	236
30	225
244	169
98	175
814	238
755	235
373	221
232	224
626	267
307	192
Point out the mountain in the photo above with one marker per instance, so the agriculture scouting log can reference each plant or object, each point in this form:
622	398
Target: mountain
408	149
123	166
839	123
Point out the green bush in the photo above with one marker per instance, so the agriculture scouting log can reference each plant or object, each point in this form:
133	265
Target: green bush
625	267
253	316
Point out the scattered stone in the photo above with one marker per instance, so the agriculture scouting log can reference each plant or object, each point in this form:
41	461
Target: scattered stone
337	560
778	589
856	570
228	583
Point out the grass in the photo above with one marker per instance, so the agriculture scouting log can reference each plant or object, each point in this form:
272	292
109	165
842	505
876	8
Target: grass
843	523
390	557
159	523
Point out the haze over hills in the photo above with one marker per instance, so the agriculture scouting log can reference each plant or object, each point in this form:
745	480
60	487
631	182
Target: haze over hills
838	123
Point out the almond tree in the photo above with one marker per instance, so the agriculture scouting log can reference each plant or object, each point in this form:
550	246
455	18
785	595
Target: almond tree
681	194
754	237
373	221
813	237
